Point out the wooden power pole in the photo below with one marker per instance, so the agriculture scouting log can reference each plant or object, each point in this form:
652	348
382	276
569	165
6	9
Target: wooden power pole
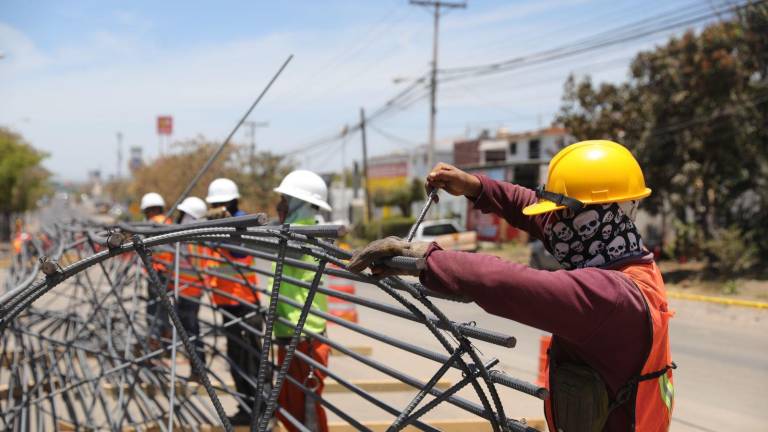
368	208
437	5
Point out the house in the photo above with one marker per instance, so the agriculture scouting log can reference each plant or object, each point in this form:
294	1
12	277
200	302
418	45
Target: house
521	158
399	169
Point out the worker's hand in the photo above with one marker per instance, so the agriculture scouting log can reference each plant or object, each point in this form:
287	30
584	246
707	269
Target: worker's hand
453	180
384	248
217	213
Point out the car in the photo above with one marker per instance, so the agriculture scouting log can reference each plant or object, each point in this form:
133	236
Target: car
448	234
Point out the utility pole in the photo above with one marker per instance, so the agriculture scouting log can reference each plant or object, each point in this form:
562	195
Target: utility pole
119	155
437	5
368	209
252	125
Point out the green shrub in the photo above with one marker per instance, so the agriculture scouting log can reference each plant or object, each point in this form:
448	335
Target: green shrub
730	255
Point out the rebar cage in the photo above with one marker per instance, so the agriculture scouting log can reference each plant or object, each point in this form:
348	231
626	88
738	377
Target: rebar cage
76	352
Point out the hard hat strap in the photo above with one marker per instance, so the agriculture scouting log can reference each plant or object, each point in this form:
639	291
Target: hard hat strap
560	199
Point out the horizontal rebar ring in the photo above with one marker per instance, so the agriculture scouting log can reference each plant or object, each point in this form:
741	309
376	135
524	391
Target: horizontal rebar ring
258	219
322	231
403	263
488	336
500	377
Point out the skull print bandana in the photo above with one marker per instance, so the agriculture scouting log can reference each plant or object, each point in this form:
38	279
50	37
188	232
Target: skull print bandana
597	235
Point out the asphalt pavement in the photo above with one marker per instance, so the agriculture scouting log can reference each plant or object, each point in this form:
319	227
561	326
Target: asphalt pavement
721	351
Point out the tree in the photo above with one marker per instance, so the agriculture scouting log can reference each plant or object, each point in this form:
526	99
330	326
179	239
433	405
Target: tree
694	114
23	180
169	174
402	197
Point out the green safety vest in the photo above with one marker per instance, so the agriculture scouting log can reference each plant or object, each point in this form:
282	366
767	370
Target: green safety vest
314	323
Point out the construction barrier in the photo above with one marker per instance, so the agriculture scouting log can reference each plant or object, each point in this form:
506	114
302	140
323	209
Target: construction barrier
339	307
543	378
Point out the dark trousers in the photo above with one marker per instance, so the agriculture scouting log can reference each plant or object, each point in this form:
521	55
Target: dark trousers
243	350
187	310
158	323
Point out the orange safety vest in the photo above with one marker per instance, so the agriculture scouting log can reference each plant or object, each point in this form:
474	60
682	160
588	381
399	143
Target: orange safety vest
190	271
162	261
654	398
236	289
19	240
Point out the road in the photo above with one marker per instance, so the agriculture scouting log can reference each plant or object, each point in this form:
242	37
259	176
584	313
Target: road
721	351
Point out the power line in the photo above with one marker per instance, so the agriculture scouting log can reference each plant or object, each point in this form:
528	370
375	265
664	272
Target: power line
599	41
391	104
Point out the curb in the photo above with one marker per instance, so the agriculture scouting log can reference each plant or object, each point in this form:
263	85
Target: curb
718	300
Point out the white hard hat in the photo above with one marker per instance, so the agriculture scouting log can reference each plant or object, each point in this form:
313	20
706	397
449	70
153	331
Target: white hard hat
222	190
194	207
152	199
306	186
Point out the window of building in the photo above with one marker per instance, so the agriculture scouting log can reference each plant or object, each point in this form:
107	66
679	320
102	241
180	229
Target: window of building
534	149
527	175
513	148
495	156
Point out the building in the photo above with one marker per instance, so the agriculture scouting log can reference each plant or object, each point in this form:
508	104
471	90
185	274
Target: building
520	158
398	170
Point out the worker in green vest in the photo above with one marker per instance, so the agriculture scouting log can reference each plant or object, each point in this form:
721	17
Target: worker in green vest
303	194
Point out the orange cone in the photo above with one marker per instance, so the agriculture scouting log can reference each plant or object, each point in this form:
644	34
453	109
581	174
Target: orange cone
340	307
543	378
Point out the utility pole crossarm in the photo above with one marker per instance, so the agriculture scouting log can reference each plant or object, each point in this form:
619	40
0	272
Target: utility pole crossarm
439	4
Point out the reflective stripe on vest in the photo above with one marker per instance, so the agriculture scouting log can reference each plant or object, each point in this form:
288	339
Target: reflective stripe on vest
667	392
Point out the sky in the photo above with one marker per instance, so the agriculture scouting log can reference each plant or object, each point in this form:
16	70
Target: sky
73	74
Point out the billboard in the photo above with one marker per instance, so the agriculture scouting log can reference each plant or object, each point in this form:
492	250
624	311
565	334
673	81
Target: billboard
164	125
387	175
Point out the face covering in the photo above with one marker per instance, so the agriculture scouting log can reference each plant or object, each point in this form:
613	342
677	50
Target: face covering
299	210
597	235
186	219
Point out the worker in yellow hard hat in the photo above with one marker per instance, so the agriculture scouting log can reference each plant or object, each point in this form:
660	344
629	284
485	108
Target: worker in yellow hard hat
610	365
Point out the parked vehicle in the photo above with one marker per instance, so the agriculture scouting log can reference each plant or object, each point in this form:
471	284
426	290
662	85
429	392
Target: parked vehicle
448	235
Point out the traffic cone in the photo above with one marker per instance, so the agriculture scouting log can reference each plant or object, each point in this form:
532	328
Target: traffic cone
339	307
543	378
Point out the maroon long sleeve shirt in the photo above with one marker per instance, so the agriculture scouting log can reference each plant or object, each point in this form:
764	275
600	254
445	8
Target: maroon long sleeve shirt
599	316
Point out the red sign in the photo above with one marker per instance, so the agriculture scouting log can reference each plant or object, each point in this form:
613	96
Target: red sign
164	125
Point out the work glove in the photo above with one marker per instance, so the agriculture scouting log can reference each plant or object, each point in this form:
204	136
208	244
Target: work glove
371	256
217	213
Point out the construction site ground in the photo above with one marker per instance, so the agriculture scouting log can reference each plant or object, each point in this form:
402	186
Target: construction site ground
721	351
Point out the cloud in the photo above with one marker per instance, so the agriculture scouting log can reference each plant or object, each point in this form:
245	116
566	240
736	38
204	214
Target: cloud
20	55
78	95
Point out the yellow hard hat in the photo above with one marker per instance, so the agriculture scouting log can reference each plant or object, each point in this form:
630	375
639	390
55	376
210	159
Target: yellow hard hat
590	172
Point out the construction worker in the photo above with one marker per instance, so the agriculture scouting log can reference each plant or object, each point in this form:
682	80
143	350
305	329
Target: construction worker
20	237
302	195
233	292
609	360
153	208
191	276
